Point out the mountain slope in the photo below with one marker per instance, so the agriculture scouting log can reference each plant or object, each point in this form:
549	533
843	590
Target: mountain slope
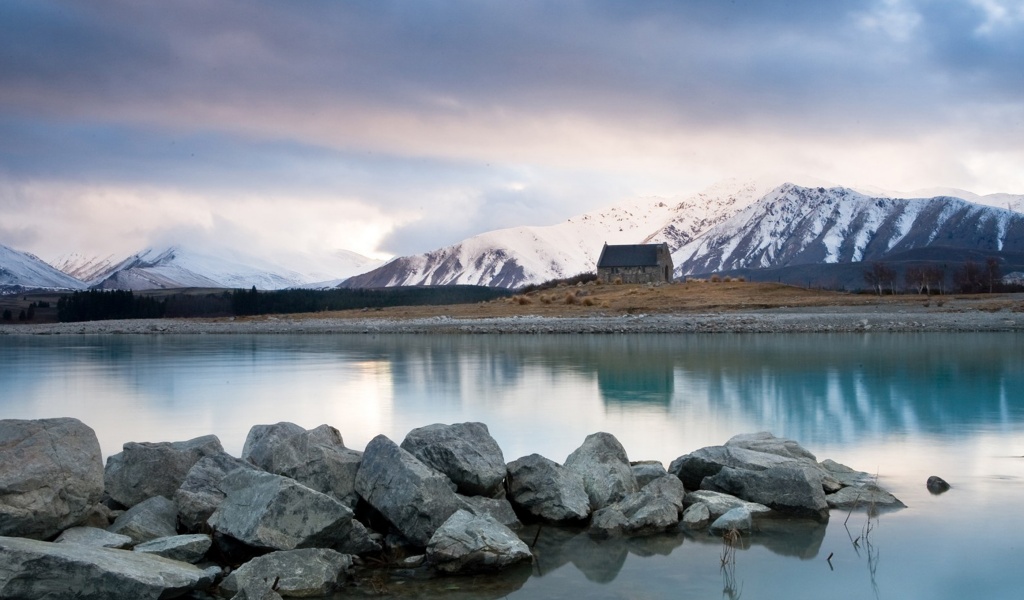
26	270
523	255
794	225
177	267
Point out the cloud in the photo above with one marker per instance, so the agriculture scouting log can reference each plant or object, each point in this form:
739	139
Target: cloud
399	126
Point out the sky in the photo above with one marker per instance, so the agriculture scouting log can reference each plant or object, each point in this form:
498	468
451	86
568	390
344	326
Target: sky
396	127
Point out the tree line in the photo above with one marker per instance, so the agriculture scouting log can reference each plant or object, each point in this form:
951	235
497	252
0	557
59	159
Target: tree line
97	305
969	278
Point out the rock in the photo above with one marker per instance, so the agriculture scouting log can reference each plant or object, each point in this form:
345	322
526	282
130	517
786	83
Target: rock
257	590
789	490
692	468
51	476
358	541
647	471
499	508
200	493
718	503
844	474
738	518
318	458
413	497
100	516
653	509
298	573
468	543
184	548
697	516
30	570
867	496
148	520
144	470
937	485
602	463
270	511
547	490
765	441
92	536
465	452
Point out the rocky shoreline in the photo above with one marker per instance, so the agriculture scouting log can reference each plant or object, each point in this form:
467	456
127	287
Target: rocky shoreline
832	319
301	515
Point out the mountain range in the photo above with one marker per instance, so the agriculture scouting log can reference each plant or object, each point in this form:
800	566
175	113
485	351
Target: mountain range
757	228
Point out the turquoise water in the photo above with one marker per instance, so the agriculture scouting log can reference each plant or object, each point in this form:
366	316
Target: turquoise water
904	406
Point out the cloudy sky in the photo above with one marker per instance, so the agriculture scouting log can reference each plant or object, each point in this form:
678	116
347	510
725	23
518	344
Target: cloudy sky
396	127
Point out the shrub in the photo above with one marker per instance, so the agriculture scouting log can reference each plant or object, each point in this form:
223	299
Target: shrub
545	299
618	281
522	300
588	301
741	279
570	298
716	278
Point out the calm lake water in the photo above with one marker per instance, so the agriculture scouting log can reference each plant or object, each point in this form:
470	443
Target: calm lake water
904	406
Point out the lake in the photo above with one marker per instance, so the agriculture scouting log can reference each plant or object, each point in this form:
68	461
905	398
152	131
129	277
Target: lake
903	406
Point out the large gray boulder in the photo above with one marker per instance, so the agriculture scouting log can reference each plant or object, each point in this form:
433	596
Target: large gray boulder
317	458
265	510
413	497
547	490
789	490
696	516
93	536
150	519
765	441
468	543
30	570
465	452
692	468
200	493
303	573
653	509
185	548
145	469
51	475
602	463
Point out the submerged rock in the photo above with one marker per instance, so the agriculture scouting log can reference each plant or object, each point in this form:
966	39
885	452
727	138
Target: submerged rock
718	503
738	519
604	467
309	572
51	475
697	516
868	496
465	452
413	497
543	488
468	543
937	485
31	569
144	469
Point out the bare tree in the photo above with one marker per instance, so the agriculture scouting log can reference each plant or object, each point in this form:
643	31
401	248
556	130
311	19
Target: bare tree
992	274
880	276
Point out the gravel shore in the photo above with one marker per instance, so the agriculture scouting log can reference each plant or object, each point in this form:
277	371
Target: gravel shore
904	318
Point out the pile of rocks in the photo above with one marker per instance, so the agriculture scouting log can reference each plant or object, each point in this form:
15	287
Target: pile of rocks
295	515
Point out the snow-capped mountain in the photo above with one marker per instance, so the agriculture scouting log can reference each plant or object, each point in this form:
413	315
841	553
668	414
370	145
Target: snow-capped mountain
28	271
524	255
794	225
84	267
179	267
733	225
